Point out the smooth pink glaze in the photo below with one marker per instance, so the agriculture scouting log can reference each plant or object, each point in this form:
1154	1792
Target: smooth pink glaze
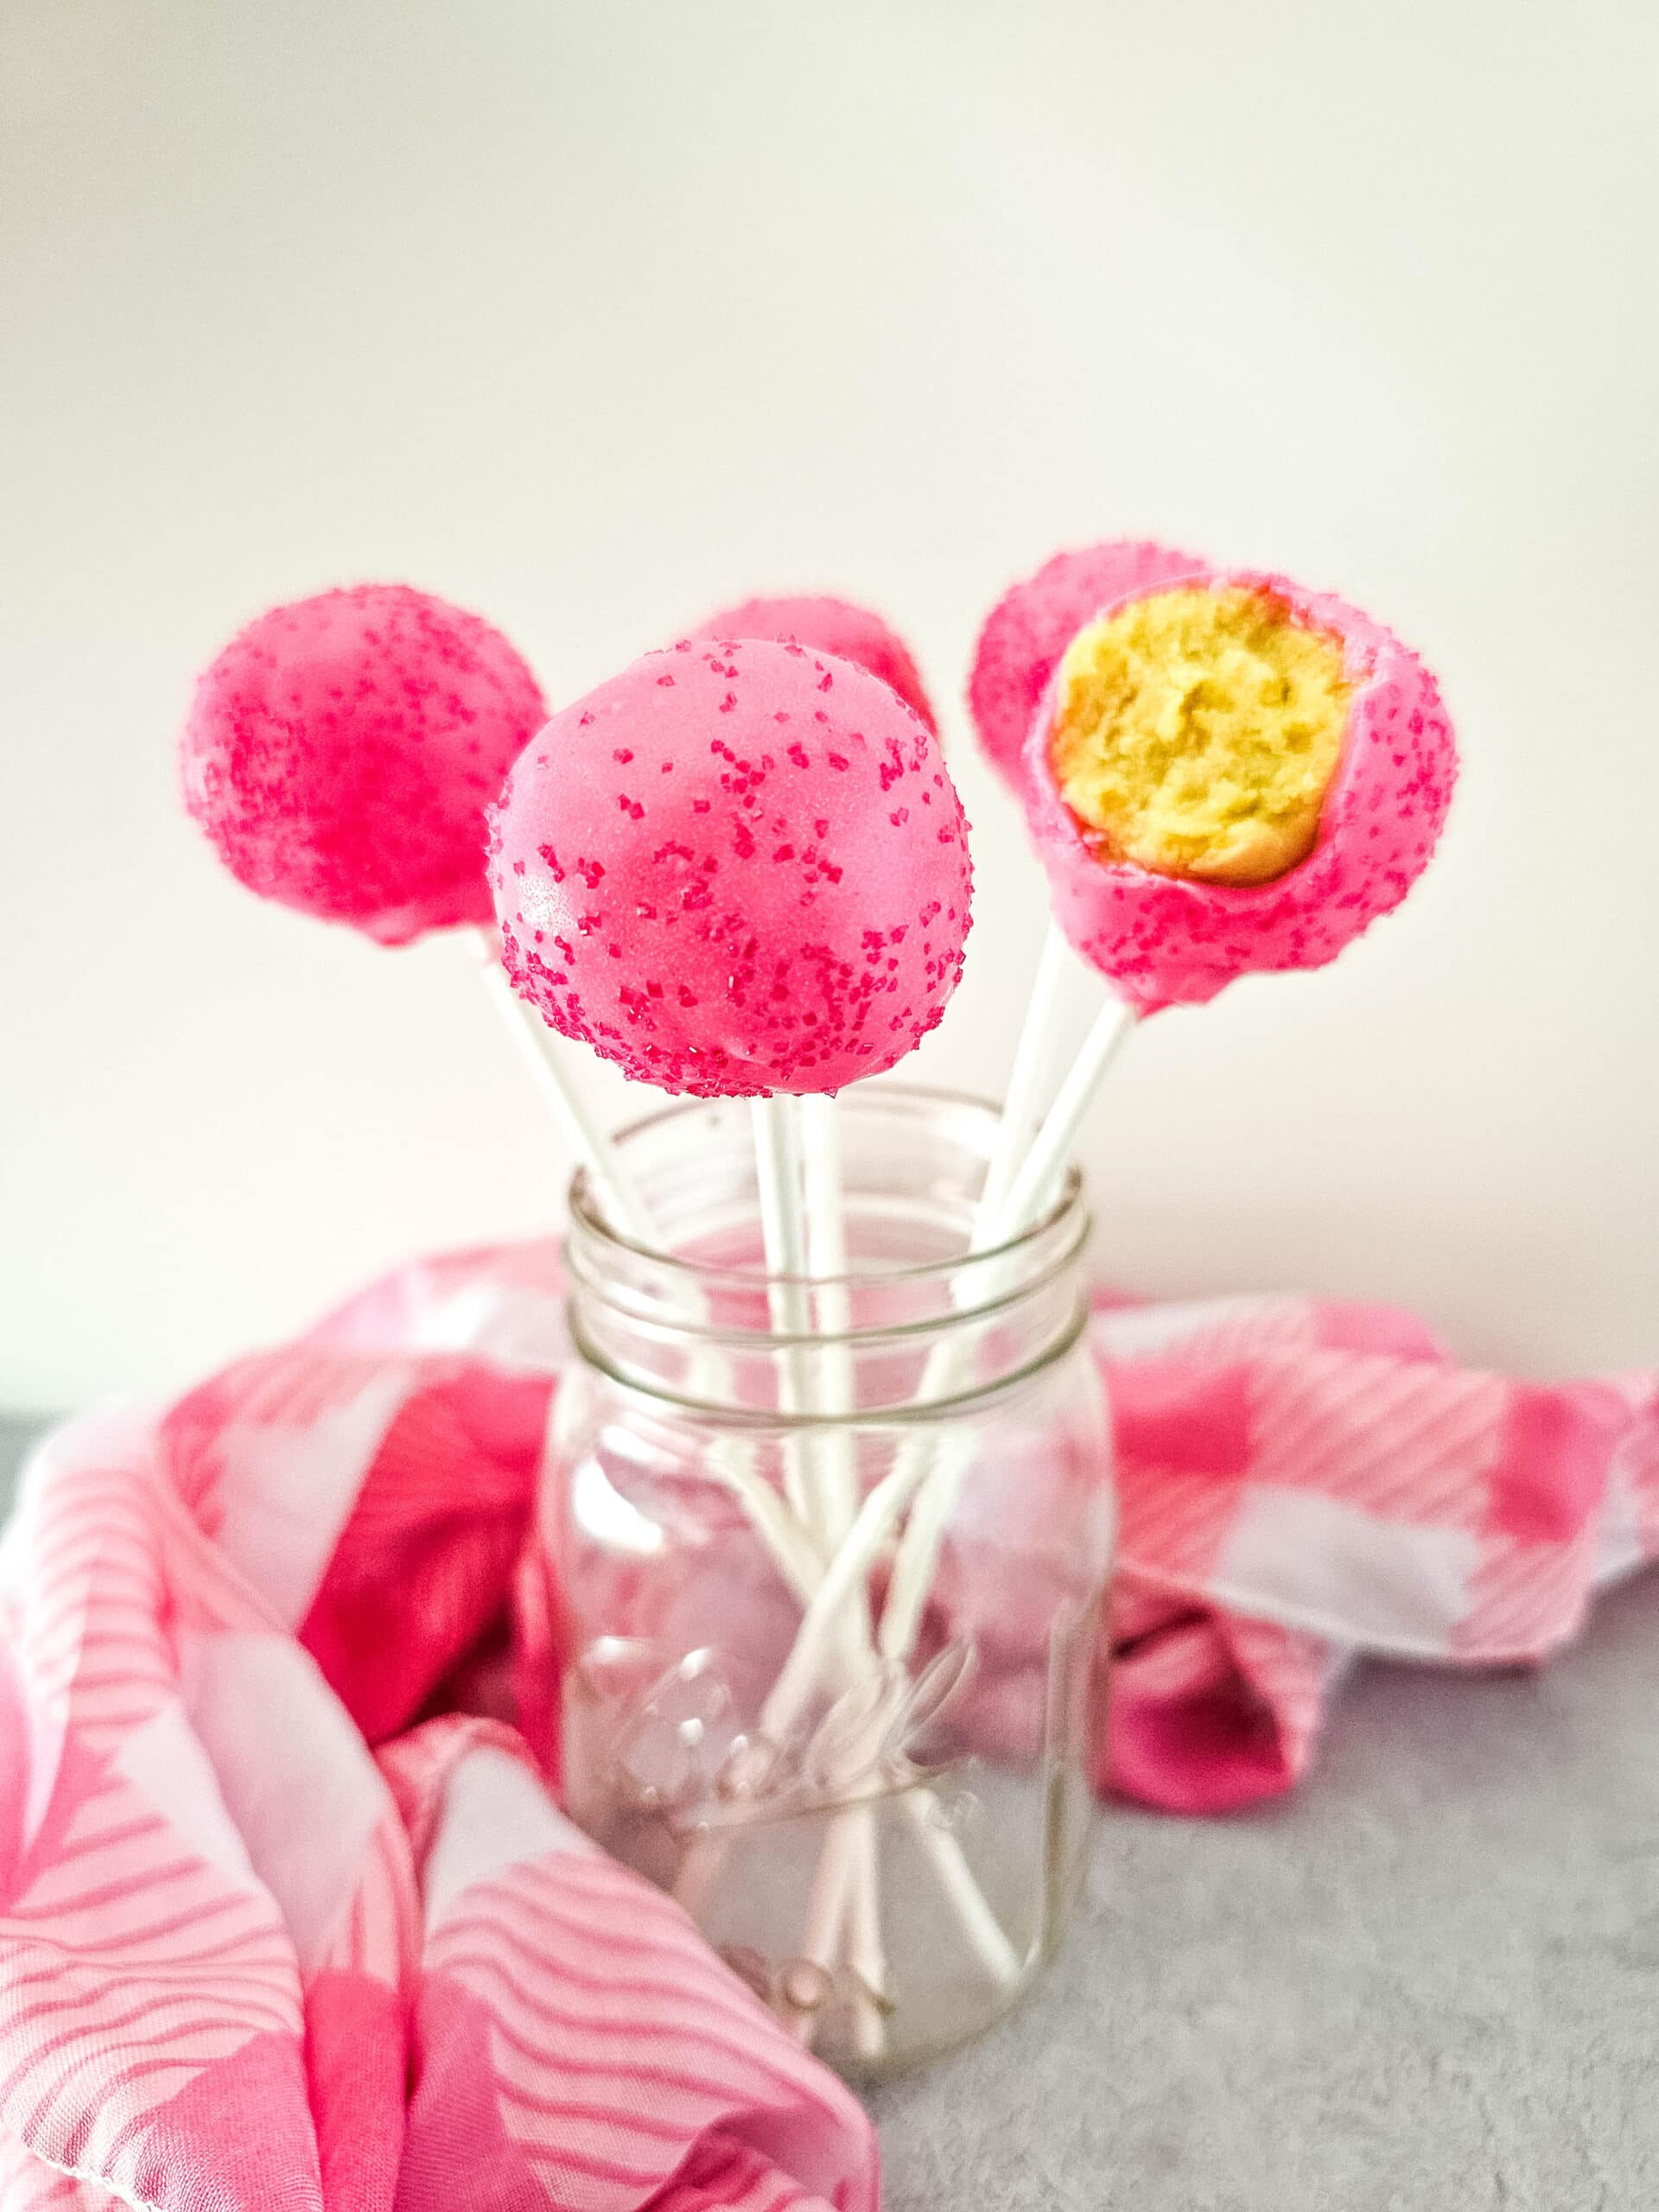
1034	622
341	753
1168	940
735	869
829	626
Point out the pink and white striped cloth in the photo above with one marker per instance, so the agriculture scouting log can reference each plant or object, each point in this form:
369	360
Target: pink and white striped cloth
288	1915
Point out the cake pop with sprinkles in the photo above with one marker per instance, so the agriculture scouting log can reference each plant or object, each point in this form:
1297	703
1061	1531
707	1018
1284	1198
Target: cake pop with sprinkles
341	750
832	625
1229	774
736	868
1034	621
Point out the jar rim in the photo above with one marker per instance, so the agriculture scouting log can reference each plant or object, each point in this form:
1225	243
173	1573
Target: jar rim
584	1209
864	1336
902	1413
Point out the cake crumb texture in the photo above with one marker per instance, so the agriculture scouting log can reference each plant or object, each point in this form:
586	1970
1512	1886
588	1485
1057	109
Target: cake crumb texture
1196	731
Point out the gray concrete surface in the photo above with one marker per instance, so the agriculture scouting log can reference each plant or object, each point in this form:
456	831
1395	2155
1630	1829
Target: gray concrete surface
1427	1983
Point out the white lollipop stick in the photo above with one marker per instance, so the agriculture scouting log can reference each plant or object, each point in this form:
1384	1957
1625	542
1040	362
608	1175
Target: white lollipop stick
1031	1191
778	1182
777	1178
1022	1108
792	1549
839	1888
848	1565
826	1262
1046	1161
933	1476
865	1954
618	1193
946	1368
843	1919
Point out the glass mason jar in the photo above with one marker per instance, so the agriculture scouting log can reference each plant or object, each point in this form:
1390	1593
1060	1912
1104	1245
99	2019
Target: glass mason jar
832	1553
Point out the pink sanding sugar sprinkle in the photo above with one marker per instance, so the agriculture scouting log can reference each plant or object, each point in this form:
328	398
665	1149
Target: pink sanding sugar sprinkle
829	626
735	869
341	753
1033	623
1171	940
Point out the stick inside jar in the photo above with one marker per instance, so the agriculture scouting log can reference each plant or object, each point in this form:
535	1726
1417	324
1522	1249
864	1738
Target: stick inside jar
842	1926
844	1914
848	1923
926	1477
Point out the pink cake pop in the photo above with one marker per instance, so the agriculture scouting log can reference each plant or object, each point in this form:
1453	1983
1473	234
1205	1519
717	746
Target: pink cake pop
341	750
833	626
1169	938
1034	621
734	870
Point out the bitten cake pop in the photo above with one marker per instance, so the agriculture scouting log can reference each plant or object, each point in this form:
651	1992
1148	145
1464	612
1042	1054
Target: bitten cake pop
1034	621
1231	774
834	625
1224	773
735	869
341	750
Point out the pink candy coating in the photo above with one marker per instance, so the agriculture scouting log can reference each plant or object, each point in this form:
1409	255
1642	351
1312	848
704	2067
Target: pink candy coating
735	869
1169	940
341	753
1034	622
829	626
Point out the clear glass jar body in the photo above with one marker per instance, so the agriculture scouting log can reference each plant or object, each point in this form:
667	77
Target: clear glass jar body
832	1595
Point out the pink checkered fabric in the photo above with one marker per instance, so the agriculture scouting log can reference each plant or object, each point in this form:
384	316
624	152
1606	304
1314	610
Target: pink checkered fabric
1303	1482
288	1915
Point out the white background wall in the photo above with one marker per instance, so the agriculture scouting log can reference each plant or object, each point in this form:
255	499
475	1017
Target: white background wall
595	316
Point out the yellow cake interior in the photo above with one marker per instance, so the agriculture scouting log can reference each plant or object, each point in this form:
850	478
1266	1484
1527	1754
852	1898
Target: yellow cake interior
1197	731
